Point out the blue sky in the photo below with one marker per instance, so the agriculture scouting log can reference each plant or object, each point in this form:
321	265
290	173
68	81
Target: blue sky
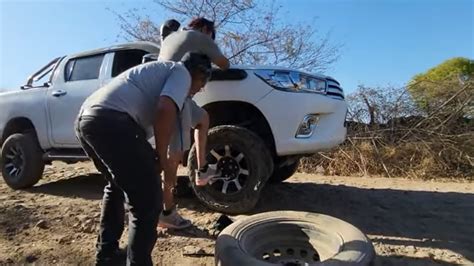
386	42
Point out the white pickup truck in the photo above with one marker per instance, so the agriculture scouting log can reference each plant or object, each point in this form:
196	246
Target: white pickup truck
263	120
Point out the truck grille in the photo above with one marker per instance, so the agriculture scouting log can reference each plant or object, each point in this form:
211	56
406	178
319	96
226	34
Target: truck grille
334	90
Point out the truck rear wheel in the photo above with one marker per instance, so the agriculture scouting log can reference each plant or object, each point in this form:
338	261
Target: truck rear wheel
244	164
21	160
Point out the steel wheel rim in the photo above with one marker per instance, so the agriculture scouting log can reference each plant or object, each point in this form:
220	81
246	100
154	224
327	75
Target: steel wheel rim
232	166
14	161
288	243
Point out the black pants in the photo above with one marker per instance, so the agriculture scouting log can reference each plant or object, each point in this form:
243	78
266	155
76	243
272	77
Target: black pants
120	151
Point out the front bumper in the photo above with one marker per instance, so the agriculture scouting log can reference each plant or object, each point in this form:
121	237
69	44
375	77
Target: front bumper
285	111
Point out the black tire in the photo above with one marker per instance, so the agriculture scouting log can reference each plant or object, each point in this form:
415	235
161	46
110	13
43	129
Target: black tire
281	174
292	238
256	162
27	160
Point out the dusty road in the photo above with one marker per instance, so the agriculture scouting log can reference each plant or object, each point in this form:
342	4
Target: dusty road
410	222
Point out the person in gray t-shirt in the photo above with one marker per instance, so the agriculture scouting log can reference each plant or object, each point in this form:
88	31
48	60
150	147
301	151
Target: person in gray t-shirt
171	25
135	91
113	128
198	36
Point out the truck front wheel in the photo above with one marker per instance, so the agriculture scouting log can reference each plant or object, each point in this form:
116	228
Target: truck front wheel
244	165
21	160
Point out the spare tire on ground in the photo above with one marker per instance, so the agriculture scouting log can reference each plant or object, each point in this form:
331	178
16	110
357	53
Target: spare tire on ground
292	238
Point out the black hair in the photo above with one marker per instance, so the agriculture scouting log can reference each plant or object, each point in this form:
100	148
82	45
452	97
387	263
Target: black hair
197	62
171	25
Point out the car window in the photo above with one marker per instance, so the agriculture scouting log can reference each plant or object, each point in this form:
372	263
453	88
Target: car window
124	60
83	68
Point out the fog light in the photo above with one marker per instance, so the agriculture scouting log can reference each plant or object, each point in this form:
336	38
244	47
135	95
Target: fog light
307	126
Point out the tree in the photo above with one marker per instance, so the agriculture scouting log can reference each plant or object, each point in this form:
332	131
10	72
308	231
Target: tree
249	33
380	105
449	86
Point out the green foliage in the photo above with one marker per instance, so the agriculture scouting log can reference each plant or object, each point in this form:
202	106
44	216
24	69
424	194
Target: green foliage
437	85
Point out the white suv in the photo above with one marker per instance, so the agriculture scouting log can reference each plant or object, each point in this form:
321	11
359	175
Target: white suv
263	120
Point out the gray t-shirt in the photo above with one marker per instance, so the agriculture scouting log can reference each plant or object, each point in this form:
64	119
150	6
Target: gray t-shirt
136	91
178	43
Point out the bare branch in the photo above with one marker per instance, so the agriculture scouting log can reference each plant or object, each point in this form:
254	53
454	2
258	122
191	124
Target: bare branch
248	32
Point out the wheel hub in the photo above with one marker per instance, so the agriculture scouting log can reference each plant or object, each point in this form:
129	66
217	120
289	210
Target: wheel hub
14	161
228	167
231	166
17	161
291	243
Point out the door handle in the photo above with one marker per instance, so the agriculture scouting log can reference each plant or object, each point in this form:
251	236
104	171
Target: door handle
59	93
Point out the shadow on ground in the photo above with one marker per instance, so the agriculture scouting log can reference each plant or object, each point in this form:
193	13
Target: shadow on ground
192	232
432	219
89	187
439	220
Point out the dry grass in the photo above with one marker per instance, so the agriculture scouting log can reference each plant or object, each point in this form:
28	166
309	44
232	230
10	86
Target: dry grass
439	144
415	159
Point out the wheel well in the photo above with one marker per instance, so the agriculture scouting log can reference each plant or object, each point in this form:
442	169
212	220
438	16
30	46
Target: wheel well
241	114
17	125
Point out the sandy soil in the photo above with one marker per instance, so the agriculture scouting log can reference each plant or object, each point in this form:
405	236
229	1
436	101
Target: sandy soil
411	222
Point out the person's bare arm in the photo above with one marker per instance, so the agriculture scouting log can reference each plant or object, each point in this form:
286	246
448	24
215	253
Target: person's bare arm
210	48
164	127
222	62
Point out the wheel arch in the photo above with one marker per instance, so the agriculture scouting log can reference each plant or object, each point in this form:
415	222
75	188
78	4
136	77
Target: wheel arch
244	114
18	125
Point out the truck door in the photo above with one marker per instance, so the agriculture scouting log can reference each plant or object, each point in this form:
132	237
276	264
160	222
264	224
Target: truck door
83	76
78	80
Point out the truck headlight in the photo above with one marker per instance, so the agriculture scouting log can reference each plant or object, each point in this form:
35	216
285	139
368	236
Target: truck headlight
292	81
307	126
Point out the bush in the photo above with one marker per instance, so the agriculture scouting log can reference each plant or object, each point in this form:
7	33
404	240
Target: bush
388	136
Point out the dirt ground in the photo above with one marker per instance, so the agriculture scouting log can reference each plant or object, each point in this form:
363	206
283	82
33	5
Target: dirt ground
411	222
